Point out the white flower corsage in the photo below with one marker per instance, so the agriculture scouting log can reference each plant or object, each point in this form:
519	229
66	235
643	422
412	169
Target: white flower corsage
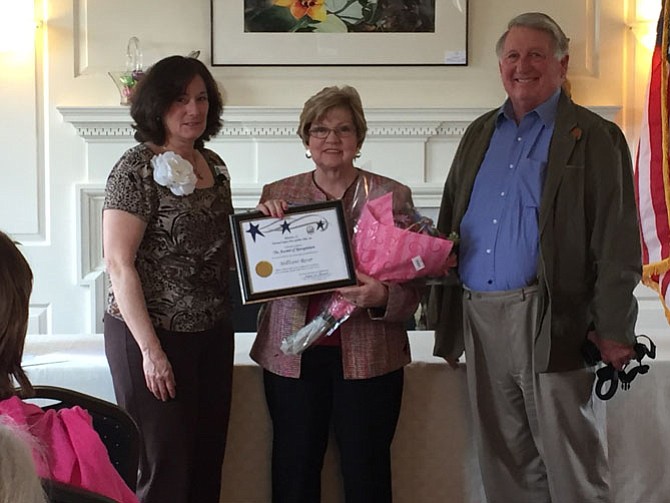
174	172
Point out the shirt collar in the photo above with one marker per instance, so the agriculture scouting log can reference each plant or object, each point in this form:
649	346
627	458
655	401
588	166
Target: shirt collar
545	111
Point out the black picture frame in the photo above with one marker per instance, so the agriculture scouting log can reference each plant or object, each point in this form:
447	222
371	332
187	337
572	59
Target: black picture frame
294	255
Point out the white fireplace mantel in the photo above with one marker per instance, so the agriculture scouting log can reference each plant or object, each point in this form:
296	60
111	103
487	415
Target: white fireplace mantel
259	144
263	122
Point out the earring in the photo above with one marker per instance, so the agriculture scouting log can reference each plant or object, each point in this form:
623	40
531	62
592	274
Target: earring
358	154
308	154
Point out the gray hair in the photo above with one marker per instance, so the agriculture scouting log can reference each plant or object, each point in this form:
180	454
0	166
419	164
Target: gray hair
542	22
18	479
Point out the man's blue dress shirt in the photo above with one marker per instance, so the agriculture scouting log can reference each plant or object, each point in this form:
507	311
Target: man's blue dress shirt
499	232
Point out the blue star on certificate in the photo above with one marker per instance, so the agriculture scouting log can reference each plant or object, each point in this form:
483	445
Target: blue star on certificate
254	231
285	227
320	225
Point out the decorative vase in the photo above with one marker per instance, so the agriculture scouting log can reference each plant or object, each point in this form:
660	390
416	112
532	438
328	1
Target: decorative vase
125	80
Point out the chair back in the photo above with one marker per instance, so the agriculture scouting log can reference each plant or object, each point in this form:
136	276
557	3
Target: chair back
116	428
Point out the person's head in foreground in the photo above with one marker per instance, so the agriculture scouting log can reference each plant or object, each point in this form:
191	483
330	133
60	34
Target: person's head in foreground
19	482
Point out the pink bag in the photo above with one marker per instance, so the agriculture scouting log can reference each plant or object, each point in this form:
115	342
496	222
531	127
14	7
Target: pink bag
389	253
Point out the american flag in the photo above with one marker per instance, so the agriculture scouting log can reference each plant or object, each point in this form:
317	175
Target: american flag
652	173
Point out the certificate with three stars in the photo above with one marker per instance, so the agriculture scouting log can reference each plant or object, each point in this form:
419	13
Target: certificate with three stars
307	251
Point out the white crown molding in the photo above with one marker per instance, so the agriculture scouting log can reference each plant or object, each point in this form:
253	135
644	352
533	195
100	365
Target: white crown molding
113	123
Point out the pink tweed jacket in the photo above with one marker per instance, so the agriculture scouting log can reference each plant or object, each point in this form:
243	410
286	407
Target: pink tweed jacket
374	342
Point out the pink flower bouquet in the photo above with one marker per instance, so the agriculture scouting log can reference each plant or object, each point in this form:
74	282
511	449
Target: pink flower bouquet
385	252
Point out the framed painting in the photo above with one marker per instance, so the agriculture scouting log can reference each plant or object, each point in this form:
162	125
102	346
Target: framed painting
339	32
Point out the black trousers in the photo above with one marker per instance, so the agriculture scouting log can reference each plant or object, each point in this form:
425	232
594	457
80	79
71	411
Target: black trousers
183	439
364	414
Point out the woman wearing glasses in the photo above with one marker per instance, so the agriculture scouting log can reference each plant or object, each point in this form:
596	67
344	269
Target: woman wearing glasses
353	379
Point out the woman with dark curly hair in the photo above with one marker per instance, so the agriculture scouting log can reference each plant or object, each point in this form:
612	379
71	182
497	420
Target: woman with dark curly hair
166	238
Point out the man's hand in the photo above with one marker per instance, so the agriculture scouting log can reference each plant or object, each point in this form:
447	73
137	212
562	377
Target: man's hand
452	362
616	353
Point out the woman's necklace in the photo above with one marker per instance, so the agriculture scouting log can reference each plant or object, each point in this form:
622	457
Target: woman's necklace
335	191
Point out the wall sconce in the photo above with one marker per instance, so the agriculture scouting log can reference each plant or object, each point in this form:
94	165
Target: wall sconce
17	26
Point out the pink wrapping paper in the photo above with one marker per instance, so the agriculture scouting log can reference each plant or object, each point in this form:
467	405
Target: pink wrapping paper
389	253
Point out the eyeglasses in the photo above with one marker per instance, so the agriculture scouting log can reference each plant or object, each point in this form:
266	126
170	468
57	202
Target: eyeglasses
323	132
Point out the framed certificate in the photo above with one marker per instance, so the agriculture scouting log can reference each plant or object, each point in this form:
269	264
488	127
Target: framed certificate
307	251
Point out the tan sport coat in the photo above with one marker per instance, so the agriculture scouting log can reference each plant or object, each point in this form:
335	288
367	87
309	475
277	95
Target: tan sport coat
589	260
373	343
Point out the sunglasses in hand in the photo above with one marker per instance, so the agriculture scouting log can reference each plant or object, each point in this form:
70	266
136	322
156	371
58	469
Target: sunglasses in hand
608	378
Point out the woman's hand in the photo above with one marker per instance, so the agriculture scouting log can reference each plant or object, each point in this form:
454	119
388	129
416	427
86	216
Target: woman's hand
273	208
158	374
368	293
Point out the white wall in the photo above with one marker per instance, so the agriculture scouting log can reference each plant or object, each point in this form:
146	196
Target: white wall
53	166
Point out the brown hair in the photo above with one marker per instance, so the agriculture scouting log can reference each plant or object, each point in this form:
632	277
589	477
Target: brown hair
330	97
16	283
165	81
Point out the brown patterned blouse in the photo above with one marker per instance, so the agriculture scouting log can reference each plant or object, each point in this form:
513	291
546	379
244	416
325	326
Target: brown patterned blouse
183	259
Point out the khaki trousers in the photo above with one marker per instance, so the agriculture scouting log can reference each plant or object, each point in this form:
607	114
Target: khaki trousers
540	437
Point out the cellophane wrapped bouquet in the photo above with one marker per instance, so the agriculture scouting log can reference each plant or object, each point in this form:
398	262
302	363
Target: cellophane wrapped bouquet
390	247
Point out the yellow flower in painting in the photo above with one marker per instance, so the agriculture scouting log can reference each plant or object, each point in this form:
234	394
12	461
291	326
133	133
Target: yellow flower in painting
300	8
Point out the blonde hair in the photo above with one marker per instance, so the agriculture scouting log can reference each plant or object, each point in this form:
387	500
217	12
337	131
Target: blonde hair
19	482
16	283
330	97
